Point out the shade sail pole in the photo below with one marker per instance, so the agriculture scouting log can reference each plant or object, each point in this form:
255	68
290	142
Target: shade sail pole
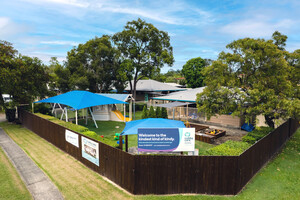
173	113
76	117
86	117
53	108
124	112
93	117
63	111
66	110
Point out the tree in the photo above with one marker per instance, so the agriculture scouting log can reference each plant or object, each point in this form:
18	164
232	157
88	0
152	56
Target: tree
193	72
164	113
158	112
22	77
95	65
144	50
151	113
145	112
252	80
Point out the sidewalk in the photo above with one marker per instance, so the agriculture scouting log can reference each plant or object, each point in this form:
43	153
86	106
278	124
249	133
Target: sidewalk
38	184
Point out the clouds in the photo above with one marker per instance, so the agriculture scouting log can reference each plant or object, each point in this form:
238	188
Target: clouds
47	28
257	28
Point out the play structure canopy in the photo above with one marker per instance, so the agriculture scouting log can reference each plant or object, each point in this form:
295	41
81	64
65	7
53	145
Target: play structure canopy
133	126
81	99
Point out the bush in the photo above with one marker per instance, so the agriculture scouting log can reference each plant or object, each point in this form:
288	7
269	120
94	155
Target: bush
145	113
42	108
151	113
256	134
164	113
229	148
158	112
248	139
140	106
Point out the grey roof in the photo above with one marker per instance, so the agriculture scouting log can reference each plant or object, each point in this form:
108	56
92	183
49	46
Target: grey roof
153	86
172	104
120	97
185	96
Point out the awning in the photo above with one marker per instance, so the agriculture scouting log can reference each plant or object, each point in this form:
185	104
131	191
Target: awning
172	104
133	126
81	99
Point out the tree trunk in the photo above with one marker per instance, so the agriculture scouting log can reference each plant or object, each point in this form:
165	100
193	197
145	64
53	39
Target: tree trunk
270	121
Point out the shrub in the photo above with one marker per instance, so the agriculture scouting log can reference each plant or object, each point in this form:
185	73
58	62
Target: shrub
229	148
158	112
247	138
164	113
151	113
257	134
145	112
42	108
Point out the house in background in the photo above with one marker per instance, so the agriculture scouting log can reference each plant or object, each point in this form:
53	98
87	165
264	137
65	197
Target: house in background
146	89
189	111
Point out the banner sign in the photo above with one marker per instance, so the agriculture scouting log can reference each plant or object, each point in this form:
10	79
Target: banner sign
90	150
166	139
72	138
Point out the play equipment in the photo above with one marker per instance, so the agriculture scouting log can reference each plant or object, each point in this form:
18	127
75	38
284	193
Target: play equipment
121	116
117	135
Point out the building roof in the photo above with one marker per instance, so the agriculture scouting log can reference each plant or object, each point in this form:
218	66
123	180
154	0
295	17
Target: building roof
185	96
153	86
172	104
120	97
81	99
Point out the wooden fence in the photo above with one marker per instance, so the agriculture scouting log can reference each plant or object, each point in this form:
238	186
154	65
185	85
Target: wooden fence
144	174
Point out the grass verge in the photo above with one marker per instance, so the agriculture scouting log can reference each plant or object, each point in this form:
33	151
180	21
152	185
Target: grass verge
11	185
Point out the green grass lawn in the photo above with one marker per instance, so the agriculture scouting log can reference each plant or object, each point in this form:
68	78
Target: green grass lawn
278	180
11	185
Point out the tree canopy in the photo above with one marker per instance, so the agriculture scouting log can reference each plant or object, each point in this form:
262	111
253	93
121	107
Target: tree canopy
144	50
193	72
254	78
22	77
94	65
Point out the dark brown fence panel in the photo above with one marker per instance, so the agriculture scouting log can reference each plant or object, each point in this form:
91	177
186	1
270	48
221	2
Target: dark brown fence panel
185	174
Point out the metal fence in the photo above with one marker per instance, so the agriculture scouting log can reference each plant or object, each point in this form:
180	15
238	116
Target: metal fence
159	174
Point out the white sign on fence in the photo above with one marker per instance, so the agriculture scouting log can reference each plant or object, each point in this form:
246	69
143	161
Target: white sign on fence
90	150
72	138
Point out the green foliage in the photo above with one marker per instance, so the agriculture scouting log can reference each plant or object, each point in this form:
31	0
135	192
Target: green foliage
229	148
164	113
22	77
254	79
94	66
42	108
145	112
158	112
193	72
151	113
256	134
144	50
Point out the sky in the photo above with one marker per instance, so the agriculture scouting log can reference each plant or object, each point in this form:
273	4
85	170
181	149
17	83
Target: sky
51	28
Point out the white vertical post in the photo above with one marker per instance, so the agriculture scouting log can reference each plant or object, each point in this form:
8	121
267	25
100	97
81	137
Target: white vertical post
93	117
86	117
187	112
173	113
32	107
130	109
66	113
76	117
124	112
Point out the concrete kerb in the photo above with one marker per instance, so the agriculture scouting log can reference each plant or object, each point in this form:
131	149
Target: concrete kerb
38	184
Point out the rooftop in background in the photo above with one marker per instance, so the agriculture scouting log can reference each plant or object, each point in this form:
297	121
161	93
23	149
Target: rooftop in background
120	97
176	85
154	86
185	96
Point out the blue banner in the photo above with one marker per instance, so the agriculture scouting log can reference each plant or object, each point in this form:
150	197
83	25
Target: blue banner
166	139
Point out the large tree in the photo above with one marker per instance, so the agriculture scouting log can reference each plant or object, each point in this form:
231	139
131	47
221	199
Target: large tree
94	65
22	77
193	72
144	51
253	79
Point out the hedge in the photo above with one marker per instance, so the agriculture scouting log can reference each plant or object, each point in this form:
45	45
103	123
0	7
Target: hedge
229	148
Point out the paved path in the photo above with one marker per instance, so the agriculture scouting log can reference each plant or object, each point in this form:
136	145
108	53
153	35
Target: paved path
38	184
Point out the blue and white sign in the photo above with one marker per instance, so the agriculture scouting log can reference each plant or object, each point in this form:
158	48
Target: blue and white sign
90	150
166	139
72	138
